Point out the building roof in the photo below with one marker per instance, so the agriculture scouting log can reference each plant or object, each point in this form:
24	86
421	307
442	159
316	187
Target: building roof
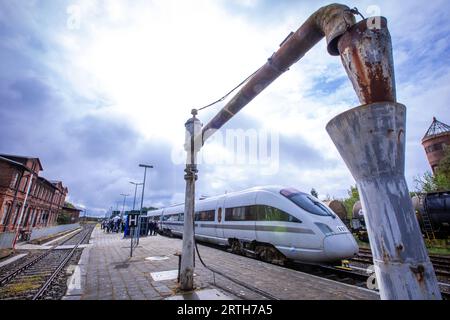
15	163
22	159
71	209
437	128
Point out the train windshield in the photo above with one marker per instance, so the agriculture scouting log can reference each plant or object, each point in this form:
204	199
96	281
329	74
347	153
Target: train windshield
307	202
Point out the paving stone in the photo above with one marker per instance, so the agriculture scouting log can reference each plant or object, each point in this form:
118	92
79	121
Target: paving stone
111	274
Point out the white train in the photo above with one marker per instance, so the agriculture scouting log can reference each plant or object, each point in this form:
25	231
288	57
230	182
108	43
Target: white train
274	223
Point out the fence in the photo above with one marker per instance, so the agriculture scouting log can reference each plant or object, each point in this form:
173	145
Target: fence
44	232
7	240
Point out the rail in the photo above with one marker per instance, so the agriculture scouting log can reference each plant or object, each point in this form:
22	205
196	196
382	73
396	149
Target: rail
47	284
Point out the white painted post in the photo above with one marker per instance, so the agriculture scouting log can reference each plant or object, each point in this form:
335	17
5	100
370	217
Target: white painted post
23	209
193	128
371	140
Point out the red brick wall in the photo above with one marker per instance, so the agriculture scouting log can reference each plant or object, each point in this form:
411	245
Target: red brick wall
44	199
435	156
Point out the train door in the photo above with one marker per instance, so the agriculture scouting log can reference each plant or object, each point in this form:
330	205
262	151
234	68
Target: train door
220	214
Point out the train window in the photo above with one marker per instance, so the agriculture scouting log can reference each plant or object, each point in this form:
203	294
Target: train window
268	213
171	217
205	215
241	214
180	216
307	202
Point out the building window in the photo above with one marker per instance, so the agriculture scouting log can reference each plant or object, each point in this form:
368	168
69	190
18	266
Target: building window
14	181
6	208
16	214
36	218
435	147
30	221
24	188
25	220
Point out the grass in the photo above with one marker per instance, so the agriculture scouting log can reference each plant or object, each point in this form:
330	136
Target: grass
31	283
439	247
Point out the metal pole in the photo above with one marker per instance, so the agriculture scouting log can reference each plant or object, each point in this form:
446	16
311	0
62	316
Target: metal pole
131	243
193	127
22	210
14	203
371	140
135	192
145	166
123	205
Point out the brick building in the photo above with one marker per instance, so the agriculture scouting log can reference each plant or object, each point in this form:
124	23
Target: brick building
435	142
27	200
72	213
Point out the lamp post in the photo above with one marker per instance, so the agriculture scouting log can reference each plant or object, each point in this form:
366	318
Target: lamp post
145	166
83	211
135	191
193	128
123	205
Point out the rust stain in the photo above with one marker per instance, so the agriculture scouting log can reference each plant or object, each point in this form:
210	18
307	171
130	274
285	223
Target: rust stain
367	58
419	272
399	248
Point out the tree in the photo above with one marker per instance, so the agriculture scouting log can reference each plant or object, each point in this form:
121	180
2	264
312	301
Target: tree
63	218
314	193
426	183
69	205
353	197
443	170
149	209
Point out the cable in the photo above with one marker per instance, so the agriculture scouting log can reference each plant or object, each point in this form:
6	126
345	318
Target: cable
245	285
234	89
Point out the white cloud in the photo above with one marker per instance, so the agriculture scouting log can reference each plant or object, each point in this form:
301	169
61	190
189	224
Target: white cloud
148	63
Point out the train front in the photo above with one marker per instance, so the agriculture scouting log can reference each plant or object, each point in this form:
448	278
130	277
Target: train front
337	241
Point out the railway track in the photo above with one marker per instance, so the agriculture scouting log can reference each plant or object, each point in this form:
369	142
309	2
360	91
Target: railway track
441	263
33	279
354	275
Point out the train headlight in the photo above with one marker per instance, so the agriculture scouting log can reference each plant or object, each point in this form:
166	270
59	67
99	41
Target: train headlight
324	228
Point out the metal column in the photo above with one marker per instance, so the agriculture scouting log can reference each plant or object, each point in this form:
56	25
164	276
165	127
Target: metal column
193	128
371	140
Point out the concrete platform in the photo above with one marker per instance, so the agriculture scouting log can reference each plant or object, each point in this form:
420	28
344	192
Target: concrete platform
12	259
106	272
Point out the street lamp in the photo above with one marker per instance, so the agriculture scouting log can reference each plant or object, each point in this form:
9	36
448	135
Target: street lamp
123	206
135	190
145	166
83	215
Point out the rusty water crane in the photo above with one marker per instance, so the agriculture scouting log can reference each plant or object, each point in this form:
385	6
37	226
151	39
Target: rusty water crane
370	138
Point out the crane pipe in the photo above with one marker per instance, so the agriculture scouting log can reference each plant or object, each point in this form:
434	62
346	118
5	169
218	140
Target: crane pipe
331	21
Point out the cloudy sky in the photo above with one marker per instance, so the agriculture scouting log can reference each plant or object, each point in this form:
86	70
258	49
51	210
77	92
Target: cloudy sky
93	88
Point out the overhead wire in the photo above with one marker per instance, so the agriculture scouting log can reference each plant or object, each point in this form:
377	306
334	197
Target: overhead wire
230	92
242	284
